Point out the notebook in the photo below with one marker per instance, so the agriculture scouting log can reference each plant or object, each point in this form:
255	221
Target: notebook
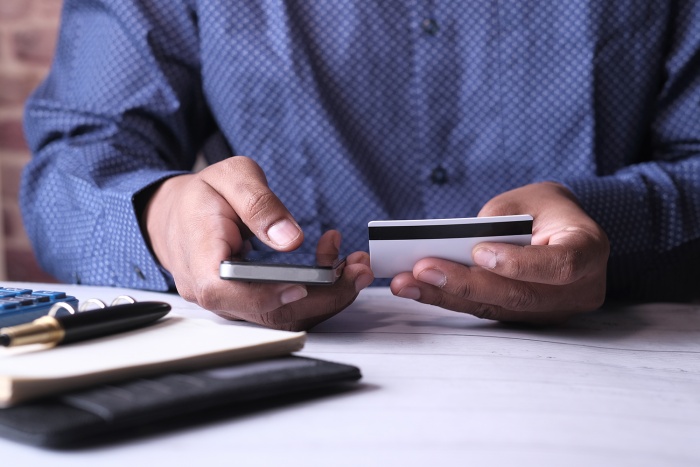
171	344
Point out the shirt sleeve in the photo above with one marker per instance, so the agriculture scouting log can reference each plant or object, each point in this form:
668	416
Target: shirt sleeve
651	209
121	110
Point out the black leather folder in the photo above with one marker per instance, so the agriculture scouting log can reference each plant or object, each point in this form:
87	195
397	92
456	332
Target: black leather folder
117	412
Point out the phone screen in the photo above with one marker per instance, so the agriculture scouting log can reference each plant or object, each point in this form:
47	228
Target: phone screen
274	266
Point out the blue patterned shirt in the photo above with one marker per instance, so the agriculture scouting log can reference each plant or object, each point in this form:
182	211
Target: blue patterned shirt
372	109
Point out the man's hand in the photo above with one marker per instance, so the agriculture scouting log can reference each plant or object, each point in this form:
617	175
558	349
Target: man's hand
194	221
561	273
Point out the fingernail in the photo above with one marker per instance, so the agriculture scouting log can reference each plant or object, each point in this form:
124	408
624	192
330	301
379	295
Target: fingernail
362	282
485	258
412	293
292	294
283	233
433	277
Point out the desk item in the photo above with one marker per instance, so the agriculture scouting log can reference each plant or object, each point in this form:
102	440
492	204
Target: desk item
20	305
396	246
148	404
616	387
90	324
172	344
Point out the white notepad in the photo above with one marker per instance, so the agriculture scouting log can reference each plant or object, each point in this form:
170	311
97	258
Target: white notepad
172	344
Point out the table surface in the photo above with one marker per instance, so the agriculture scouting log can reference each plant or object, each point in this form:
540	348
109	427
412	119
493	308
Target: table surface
620	386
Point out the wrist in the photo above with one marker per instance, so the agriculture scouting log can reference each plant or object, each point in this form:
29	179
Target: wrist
158	209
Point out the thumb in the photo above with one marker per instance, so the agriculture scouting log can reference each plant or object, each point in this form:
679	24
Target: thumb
242	183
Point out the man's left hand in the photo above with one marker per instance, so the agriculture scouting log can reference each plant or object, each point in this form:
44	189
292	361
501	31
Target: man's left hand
562	272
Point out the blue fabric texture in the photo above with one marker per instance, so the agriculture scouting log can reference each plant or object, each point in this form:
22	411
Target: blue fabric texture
362	110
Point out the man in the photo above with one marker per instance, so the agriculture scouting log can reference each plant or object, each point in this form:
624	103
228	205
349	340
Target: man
583	114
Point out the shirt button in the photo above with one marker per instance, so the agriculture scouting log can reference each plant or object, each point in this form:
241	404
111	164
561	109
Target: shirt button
429	26
139	273
438	176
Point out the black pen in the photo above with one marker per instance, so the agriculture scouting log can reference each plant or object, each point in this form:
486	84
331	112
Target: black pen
84	325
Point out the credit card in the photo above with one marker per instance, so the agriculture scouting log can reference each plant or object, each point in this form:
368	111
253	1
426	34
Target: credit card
396	246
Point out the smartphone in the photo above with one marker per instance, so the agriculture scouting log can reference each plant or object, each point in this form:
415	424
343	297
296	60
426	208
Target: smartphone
274	266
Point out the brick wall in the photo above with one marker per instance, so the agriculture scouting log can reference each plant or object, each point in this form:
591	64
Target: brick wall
28	31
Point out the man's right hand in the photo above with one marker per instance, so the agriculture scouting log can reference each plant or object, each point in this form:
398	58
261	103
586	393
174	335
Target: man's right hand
194	221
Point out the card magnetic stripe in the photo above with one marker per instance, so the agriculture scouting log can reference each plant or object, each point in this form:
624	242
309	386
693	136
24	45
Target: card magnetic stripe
419	232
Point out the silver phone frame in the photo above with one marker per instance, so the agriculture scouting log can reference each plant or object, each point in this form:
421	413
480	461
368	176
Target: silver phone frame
254	271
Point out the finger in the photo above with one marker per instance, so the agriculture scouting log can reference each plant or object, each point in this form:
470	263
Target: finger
477	286
328	248
456	287
433	296
236	299
360	257
359	260
406	286
242	183
321	303
569	257
329	244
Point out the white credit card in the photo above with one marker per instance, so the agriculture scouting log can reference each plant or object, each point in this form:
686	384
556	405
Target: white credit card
396	246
